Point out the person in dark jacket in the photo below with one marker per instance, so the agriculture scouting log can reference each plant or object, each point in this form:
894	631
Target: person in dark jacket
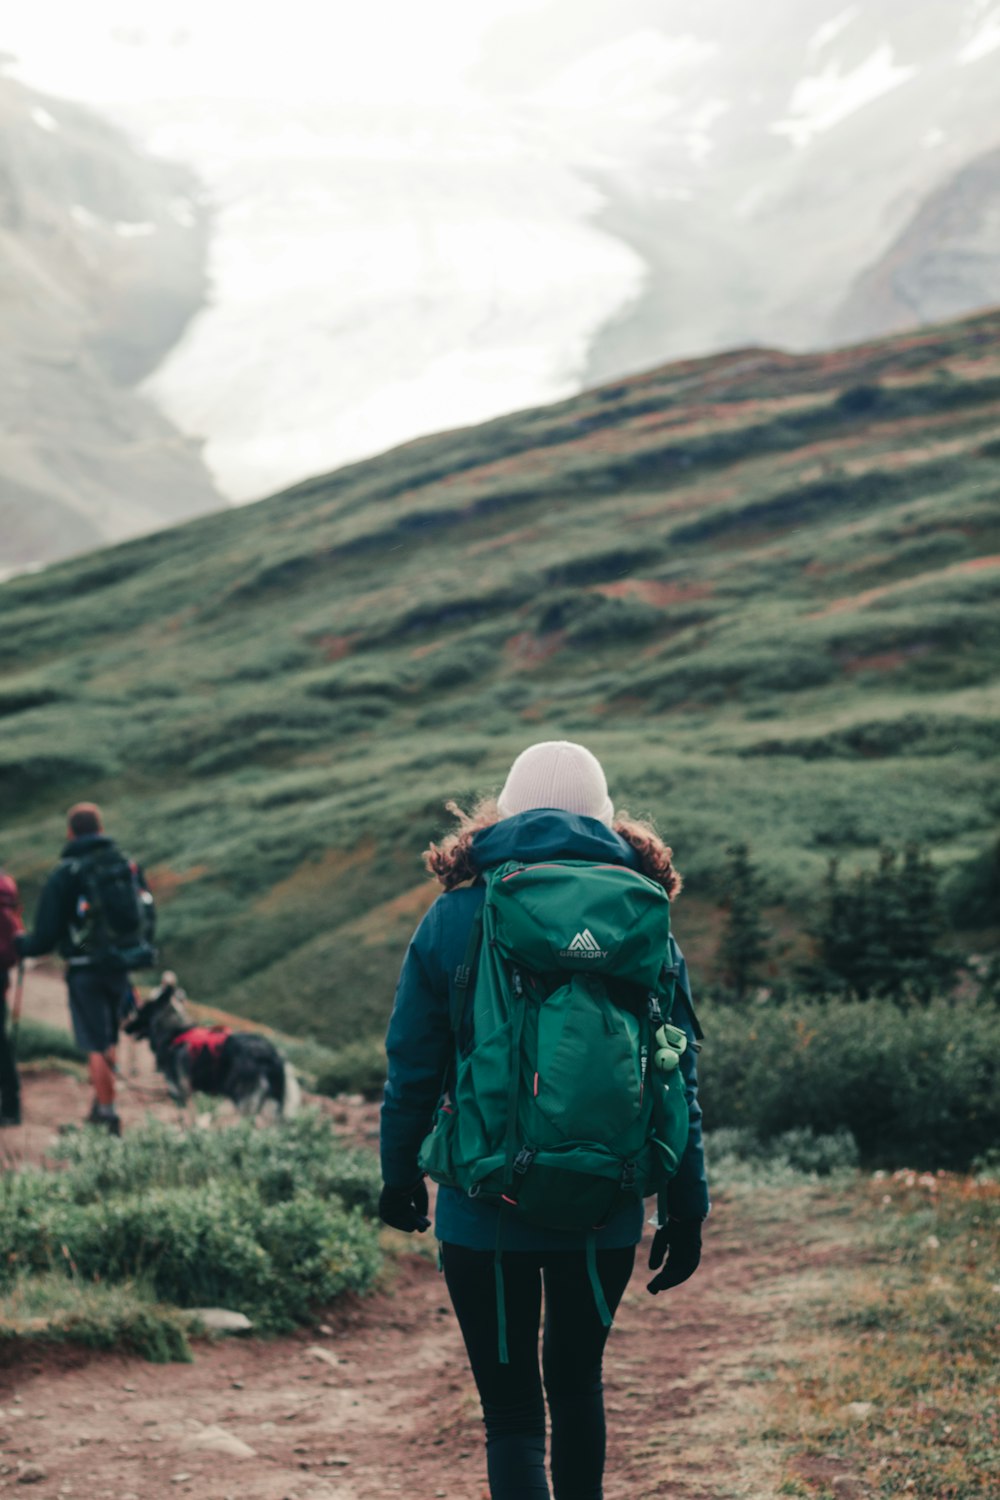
10	927
554	805
100	991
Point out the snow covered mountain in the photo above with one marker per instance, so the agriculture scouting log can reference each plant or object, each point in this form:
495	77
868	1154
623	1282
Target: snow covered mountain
424	216
945	262
101	266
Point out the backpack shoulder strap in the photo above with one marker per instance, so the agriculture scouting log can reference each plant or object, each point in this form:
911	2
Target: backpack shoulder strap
466	969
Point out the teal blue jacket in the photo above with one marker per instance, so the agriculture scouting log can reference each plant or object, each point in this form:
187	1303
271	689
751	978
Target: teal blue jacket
421	1047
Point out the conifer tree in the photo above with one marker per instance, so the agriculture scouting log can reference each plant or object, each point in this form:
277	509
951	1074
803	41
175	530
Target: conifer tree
743	948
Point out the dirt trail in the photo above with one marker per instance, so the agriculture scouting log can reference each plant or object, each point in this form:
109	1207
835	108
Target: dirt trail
380	1402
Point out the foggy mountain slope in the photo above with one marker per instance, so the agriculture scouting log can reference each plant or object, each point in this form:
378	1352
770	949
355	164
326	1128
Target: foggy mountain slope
101	266
946	259
788	161
520	198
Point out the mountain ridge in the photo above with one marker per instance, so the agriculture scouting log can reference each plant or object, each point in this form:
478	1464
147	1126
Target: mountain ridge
761	586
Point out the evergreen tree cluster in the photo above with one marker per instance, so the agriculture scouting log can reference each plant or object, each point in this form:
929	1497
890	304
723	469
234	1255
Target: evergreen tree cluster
879	933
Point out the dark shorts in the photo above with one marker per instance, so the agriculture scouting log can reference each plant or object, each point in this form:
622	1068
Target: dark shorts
97	1001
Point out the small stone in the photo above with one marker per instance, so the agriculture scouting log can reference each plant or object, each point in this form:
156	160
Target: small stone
217	1440
932	1242
180	1478
325	1329
31	1474
220	1319
859	1410
237	1385
316	1351
337	1463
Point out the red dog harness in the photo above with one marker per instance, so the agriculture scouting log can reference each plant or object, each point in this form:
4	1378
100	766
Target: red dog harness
198	1039
204	1045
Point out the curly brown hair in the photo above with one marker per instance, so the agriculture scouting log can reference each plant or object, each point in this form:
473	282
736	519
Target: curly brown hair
451	862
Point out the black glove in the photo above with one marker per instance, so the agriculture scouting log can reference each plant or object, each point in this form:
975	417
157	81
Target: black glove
405	1208
682	1238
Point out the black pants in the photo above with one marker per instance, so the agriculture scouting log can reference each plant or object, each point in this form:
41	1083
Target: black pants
10	1085
572	1350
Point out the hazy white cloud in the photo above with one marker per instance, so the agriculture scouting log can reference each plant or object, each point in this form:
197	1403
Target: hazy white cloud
984	39
822	100
830	30
120	51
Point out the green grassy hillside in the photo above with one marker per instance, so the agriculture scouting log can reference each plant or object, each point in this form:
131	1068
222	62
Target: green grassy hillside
763	588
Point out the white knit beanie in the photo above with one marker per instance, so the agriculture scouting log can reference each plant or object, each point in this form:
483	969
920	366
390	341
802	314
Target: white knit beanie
557	773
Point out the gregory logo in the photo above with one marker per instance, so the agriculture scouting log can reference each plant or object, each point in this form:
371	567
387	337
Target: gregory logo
584	945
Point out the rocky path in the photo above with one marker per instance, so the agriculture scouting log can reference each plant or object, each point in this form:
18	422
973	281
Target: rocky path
379	1401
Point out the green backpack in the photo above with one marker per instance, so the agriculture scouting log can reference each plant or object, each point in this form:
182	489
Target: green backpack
570	1102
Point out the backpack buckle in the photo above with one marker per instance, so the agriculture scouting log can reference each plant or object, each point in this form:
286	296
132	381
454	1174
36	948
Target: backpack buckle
523	1160
628	1175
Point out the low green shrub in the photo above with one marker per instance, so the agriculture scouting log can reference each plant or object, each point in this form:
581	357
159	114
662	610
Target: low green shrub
272	1223
56	1309
737	1155
914	1089
35	1039
358	1068
304	1154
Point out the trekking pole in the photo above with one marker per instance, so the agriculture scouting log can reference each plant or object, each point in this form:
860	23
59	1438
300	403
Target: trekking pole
15	1013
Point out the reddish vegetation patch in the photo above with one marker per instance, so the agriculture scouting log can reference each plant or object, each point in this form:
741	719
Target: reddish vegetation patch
683	500
419	652
886	661
653	591
335	647
507	539
825	1476
868	596
409	905
165	882
314	876
529	650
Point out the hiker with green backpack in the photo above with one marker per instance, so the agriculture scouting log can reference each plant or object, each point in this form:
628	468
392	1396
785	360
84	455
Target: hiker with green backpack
541	1069
96	909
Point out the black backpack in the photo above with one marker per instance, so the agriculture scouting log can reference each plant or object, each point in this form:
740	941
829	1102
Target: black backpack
114	917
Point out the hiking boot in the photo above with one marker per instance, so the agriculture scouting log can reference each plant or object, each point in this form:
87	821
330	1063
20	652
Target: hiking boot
106	1117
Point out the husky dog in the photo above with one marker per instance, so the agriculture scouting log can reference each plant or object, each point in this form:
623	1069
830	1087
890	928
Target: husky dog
245	1067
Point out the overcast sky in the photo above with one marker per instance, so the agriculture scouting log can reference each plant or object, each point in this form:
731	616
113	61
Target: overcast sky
393	51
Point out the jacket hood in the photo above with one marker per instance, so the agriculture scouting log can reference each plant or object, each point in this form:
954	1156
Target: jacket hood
550	833
78	848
